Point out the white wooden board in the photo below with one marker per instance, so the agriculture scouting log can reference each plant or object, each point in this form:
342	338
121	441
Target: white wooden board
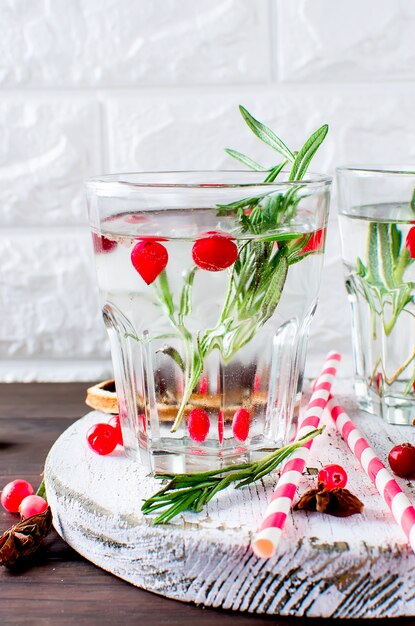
359	566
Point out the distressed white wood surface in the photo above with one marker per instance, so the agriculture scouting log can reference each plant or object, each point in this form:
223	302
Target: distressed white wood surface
359	566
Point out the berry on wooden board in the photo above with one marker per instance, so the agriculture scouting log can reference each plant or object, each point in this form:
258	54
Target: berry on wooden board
332	477
402	460
102	438
13	494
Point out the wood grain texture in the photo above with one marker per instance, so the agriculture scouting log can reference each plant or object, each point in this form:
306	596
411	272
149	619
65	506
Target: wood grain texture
326	567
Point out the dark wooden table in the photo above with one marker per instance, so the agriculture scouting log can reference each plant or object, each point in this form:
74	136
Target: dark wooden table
57	586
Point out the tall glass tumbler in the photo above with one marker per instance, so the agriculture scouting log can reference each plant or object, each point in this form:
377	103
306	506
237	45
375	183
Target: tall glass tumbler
208	283
377	217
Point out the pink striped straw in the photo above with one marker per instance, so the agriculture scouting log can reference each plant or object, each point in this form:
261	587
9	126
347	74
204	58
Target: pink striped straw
266	541
393	496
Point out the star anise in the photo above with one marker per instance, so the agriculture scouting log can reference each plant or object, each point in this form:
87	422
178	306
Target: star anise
25	537
338	502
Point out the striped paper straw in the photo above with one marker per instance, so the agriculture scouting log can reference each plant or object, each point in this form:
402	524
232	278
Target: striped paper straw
393	496
268	536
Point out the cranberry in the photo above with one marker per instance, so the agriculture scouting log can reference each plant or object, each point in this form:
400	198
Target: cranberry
135	218
410	242
102	438
102	245
203	385
149	258
143	421
316	241
215	252
402	459
332	476
379	381
240	424
32	505
115	423
221	426
198	424
13	494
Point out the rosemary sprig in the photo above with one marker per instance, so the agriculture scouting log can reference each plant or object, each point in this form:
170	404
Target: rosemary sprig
382	282
257	278
191	492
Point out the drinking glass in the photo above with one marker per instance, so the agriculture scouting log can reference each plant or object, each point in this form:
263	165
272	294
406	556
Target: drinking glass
377	216
208	282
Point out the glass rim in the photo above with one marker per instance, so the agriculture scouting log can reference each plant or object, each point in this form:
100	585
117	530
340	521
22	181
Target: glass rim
373	169
117	180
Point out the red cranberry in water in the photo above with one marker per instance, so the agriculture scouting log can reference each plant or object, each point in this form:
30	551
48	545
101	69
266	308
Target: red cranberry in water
102	245
402	459
221	426
215	252
316	241
379	381
149	258
203	385
410	242
198	424
240	425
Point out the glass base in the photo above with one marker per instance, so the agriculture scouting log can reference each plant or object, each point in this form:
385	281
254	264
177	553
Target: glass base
394	409
163	462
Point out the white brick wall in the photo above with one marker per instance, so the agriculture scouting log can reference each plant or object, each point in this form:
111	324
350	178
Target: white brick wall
105	85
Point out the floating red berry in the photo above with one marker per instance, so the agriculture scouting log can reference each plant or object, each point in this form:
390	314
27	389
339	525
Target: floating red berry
102	438
402	459
332	476
316	241
115	423
379	381
143	421
135	218
102	245
203	385
240	425
215	252
149	258
198	424
410	242
221	426
13	494
32	505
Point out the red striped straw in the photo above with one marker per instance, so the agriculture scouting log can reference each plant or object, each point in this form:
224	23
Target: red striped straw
266	541
393	496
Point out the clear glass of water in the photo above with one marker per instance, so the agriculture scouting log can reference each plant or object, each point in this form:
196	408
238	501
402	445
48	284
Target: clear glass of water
208	283
377	218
